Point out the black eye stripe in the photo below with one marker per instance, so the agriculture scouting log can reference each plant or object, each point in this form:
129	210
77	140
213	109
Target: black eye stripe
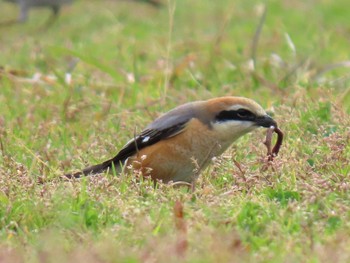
239	115
243	113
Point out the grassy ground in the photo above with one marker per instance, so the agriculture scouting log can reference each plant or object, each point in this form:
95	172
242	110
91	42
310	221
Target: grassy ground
130	62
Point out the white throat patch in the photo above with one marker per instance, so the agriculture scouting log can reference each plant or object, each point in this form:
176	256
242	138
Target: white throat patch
233	129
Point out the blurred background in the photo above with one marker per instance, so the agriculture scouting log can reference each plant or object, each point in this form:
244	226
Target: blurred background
202	43
99	61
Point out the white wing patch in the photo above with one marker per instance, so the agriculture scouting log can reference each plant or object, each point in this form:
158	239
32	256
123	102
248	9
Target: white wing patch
133	140
146	139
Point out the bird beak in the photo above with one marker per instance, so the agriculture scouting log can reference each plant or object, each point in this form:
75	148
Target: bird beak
265	121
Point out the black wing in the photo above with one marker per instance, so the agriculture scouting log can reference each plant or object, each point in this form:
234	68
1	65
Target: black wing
146	138
166	126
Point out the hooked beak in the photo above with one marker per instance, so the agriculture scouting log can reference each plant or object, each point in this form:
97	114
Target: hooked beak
265	121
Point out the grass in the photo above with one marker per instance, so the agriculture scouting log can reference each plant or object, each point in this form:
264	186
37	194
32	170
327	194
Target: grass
134	62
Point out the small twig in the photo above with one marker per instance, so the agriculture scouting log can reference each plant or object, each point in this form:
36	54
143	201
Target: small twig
135	142
181	229
257	36
238	165
330	67
168	65
2	148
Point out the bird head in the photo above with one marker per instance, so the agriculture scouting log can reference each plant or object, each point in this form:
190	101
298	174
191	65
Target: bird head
232	117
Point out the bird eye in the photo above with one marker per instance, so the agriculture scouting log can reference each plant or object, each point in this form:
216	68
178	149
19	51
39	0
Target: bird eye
242	113
235	115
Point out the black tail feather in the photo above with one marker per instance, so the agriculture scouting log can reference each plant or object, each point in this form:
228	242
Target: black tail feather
116	162
95	169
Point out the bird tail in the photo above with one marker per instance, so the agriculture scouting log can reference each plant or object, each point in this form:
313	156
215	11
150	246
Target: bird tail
95	169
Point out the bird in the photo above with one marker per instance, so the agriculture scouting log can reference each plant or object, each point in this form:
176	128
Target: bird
176	146
54	5
25	5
